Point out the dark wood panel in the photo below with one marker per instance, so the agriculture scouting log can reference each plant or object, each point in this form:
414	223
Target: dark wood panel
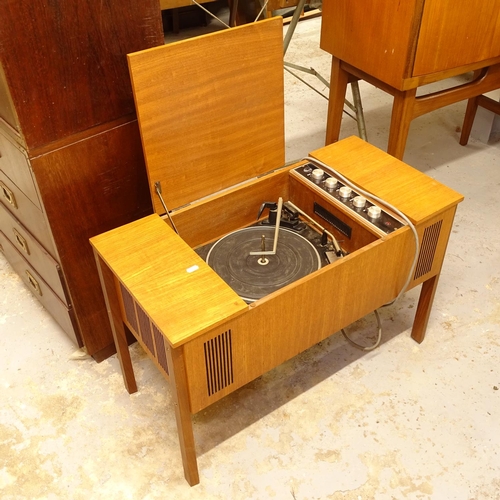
77	49
88	188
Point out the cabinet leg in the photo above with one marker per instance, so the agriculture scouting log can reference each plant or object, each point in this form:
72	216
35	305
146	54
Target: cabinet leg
179	385
338	88
424	308
108	284
402	115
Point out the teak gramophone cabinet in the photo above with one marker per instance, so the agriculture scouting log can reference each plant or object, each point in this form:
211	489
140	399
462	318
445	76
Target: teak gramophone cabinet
210	111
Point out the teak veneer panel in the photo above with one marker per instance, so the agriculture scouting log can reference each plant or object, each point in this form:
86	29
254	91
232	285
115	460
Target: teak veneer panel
217	129
210	219
285	323
387	27
417	195
473	28
158	267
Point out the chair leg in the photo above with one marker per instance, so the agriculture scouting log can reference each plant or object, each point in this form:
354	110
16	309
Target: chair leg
338	88
470	114
402	115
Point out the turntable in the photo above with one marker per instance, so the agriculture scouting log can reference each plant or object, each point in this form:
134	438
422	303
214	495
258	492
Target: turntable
247	262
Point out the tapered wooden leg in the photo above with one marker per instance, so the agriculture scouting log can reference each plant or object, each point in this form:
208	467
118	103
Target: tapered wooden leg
338	88
424	308
108	285
470	114
178	382
402	115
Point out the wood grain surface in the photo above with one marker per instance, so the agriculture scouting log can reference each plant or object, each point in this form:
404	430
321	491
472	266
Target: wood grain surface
211	110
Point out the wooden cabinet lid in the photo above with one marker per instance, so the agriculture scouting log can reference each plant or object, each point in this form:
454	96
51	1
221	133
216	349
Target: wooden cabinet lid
210	110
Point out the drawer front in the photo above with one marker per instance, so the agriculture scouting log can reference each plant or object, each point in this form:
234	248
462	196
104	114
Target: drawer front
60	312
14	164
34	253
30	216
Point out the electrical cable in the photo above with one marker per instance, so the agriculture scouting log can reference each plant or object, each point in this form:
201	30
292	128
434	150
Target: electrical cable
386	204
377	342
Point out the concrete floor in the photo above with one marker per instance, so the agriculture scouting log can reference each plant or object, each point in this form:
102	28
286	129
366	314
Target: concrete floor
404	421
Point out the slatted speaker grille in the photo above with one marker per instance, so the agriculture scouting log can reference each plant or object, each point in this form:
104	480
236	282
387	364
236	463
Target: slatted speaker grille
128	305
144	329
161	354
428	249
219	362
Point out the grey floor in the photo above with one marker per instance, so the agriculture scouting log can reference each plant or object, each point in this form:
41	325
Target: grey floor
405	421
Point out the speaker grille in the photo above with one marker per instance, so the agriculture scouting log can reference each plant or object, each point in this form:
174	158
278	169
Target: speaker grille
161	354
128	305
428	249
219	362
145	329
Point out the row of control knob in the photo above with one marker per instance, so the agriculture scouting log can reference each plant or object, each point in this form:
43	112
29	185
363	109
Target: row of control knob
345	192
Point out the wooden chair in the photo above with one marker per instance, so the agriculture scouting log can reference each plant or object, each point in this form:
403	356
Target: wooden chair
470	114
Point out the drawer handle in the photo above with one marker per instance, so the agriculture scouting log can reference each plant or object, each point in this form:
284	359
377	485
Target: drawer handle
21	241
8	194
34	283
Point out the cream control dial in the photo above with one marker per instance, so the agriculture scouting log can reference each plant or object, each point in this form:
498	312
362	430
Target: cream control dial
317	174
331	183
374	212
345	192
359	201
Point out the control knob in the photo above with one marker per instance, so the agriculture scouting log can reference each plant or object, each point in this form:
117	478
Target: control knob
359	201
330	183
374	212
317	174
345	192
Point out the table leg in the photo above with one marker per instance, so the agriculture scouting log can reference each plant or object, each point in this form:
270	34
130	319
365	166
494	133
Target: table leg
402	115
112	301
179	385
424	308
338	88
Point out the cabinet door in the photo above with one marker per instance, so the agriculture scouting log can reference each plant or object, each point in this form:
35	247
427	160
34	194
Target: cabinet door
375	36
455	33
65	61
89	187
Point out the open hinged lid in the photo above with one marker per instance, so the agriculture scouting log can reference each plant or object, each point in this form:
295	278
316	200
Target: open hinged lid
210	110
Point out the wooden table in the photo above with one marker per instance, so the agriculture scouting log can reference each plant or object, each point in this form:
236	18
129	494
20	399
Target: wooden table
401	46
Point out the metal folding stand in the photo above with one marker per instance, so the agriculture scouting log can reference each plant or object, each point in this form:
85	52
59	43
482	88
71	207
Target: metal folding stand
356	106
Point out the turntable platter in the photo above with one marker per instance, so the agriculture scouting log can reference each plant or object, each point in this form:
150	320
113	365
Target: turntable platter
253	277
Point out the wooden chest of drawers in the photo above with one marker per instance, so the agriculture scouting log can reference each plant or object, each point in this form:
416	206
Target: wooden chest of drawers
71	162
